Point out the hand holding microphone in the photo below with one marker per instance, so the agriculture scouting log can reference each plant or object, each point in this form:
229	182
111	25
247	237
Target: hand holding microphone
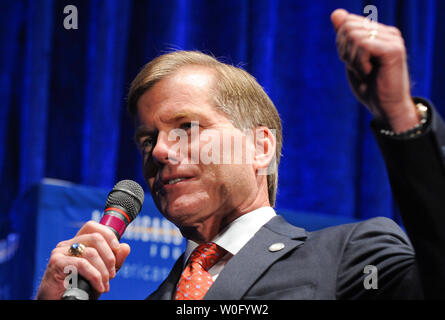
95	251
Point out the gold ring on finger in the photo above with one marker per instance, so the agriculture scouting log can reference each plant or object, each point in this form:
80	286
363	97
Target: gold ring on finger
373	34
76	249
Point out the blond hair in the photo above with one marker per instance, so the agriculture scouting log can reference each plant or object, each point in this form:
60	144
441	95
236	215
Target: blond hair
237	94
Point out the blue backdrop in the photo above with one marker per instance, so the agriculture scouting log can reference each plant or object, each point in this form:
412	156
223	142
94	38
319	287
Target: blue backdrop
62	92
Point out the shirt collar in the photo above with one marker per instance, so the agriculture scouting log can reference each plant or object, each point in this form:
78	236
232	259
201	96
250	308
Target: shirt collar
233	237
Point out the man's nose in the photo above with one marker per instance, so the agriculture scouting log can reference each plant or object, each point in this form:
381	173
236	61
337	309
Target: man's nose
163	151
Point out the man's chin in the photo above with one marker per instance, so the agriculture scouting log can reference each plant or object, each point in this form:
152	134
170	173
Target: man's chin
181	214
177	207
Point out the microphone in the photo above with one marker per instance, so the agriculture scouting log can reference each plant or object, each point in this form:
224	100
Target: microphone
123	204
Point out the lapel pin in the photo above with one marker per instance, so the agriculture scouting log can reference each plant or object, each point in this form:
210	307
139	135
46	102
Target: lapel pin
276	247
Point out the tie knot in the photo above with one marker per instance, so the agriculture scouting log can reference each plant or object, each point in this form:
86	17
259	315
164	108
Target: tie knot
207	254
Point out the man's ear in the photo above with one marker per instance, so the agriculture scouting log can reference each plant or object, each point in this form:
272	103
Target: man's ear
265	146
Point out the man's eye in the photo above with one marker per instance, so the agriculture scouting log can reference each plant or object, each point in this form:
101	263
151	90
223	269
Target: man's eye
146	144
189	125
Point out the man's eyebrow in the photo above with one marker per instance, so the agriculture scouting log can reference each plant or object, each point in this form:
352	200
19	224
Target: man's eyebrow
144	131
141	132
181	115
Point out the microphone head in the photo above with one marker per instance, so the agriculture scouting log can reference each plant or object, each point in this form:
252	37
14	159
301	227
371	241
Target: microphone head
127	194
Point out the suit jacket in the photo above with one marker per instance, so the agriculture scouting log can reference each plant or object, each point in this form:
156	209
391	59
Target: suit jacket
330	263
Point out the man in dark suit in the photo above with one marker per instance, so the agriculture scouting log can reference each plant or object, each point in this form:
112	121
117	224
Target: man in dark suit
186	103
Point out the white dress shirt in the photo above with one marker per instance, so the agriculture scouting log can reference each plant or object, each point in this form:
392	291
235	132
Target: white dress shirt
234	236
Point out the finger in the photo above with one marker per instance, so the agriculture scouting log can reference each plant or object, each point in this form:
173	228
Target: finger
371	24
342	43
356	47
357	57
92	256
356	17
93	226
99	244
122	254
394	31
384	45
338	17
369	53
349	31
59	261
361	62
345	54
354	22
348	43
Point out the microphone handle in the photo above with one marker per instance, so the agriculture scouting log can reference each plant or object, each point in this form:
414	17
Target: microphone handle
81	292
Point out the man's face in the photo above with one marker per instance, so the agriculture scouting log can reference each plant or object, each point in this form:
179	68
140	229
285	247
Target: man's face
191	192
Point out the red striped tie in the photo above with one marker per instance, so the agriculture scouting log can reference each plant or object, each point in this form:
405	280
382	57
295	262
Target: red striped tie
195	280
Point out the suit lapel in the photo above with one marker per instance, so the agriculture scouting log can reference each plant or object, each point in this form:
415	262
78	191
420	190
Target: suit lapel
254	259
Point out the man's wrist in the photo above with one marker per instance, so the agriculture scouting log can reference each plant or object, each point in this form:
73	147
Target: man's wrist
406	118
409	126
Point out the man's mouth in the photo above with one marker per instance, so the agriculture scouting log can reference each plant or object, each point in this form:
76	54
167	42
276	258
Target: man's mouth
162	184
173	181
